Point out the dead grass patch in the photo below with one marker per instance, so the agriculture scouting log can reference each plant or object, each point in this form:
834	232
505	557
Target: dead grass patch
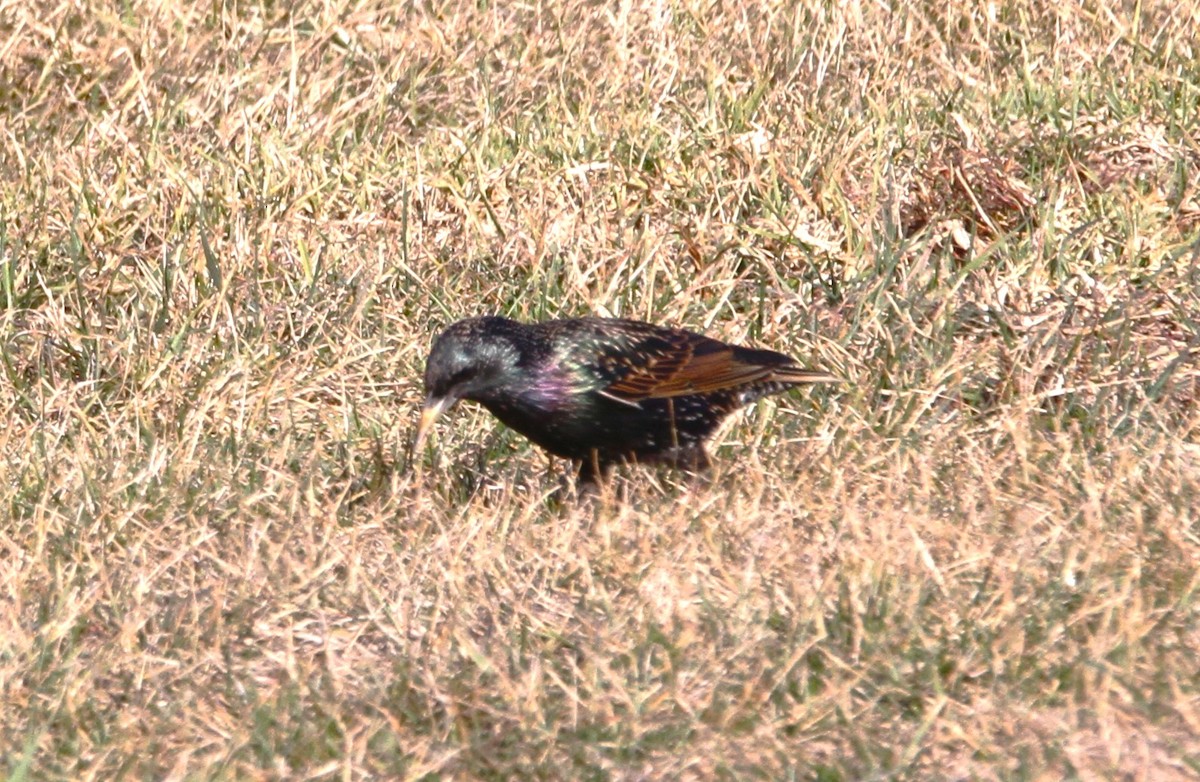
227	233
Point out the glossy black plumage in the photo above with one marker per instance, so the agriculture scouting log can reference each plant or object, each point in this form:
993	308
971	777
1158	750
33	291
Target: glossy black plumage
601	391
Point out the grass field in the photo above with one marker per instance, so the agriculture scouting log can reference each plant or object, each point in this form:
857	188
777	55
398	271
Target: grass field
229	231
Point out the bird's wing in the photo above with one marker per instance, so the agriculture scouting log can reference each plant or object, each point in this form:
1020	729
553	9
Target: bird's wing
680	365
629	361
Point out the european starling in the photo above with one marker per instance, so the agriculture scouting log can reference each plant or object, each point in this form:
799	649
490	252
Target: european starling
601	391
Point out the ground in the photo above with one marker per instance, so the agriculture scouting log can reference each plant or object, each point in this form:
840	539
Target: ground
229	232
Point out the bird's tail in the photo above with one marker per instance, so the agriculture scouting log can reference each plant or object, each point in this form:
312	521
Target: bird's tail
798	375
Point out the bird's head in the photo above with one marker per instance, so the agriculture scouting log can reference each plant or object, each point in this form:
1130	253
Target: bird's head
470	360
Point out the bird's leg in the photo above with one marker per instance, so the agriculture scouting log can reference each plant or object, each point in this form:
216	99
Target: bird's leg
592	472
696	462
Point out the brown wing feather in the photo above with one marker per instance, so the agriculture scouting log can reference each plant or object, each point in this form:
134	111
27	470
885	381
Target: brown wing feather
632	361
692	364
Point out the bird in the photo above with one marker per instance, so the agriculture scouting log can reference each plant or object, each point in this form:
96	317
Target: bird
602	391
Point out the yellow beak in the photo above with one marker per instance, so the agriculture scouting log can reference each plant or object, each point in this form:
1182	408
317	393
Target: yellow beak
430	413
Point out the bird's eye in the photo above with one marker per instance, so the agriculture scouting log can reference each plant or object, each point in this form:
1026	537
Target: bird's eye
460	377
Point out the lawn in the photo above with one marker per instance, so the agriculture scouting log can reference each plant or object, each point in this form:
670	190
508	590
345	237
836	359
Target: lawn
229	232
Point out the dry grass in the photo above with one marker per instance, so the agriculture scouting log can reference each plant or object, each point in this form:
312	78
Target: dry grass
228	232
